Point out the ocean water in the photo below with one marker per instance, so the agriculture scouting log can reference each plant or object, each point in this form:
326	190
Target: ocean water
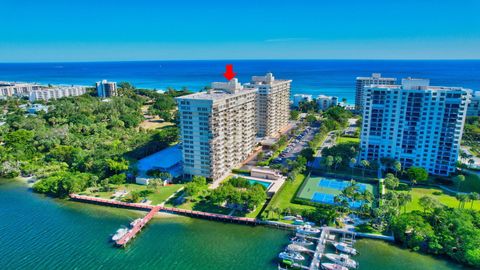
37	232
329	77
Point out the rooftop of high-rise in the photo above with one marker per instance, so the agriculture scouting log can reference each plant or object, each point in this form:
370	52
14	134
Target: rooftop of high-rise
220	90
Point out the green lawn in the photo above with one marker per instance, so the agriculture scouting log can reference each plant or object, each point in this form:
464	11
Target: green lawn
341	140
445	199
163	193
156	197
283	199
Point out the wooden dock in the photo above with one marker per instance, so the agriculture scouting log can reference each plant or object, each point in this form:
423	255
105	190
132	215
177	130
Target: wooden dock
122	242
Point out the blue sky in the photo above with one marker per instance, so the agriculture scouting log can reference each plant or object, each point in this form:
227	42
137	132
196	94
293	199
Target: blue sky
105	30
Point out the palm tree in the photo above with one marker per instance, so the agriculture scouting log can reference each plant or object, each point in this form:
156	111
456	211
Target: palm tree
462	199
397	166
471	162
463	155
353	161
365	163
459	178
473	196
337	161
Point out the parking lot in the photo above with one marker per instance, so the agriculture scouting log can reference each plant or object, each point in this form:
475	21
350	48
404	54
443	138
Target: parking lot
296	145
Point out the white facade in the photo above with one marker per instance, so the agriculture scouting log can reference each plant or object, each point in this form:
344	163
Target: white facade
325	102
361	82
106	89
9	89
474	106
273	104
217	129
297	98
416	124
57	92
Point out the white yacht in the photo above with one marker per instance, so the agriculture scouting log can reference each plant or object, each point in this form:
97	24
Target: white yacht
342	259
119	234
342	247
307	229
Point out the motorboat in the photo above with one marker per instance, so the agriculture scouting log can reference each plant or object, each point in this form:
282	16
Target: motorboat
342	259
333	266
297	248
119	234
290	255
343	247
136	222
307	229
301	241
289	217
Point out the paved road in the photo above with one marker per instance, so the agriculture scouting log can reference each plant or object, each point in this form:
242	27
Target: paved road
467	150
328	142
298	147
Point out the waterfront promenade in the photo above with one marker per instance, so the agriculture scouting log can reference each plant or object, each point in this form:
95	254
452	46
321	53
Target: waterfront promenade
173	210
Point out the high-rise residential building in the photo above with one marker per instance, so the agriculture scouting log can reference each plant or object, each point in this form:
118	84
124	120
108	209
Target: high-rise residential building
299	98
376	79
414	123
9	89
474	106
106	89
273	104
325	102
217	129
56	92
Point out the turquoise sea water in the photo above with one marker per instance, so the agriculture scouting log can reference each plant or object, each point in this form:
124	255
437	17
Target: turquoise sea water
37	232
327	77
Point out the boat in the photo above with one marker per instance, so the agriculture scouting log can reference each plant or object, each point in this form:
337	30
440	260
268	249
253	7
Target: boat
289	217
342	247
342	259
301	241
298	222
310	223
307	229
288	262
289	255
119	234
136	222
297	248
333	266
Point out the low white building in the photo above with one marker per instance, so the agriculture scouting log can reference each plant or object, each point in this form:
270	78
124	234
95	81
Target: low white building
325	102
9	89
57	92
298	98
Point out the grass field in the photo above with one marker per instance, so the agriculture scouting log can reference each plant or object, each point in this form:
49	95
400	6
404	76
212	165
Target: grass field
323	190
341	140
156	197
284	198
445	199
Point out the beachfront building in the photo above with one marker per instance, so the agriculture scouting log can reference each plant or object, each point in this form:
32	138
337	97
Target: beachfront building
217	129
12	89
361	82
106	89
325	102
273	104
474	106
57	92
301	98
414	123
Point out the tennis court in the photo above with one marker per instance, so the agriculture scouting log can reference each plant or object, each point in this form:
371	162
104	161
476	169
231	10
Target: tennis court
323	190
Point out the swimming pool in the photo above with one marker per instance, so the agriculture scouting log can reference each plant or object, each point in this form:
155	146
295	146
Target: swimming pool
263	183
